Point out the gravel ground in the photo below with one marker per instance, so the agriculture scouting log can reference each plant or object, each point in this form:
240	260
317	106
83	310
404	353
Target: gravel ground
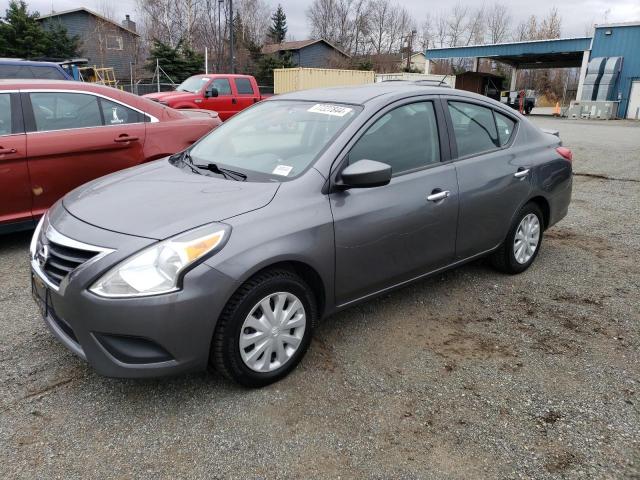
470	374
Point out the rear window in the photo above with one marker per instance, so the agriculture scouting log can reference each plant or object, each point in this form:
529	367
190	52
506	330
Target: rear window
243	85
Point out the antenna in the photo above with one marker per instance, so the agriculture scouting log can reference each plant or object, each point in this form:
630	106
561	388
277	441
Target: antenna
443	79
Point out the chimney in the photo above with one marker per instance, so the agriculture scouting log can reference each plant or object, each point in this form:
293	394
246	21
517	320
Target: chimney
128	23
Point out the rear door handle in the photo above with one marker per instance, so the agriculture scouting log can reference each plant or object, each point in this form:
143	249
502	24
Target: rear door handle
438	195
125	138
234	101
4	151
521	173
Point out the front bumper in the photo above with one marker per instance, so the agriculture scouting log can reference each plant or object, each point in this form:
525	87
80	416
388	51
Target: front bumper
130	337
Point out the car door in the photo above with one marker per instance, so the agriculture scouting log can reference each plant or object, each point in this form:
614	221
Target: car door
15	194
391	234
74	137
225	103
244	93
493	181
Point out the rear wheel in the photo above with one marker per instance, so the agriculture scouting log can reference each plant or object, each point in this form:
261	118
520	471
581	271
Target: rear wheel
523	241
265	329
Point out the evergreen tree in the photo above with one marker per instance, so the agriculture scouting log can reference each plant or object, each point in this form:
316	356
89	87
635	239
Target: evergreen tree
268	63
278	28
179	63
22	35
60	44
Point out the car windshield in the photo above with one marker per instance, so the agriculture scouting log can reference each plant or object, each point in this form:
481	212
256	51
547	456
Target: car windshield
277	139
192	85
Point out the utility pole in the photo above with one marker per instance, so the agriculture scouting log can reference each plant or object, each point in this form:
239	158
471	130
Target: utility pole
220	39
231	59
410	48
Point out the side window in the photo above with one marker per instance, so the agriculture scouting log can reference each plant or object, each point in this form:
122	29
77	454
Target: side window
116	114
222	85
474	128
405	138
5	114
243	85
15	71
59	111
48	73
506	126
114	42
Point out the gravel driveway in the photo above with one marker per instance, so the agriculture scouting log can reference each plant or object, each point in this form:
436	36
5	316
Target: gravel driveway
470	374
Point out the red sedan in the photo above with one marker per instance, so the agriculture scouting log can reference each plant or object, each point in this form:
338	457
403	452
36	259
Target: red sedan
56	135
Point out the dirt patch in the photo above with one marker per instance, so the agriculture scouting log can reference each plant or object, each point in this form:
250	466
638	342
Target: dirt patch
598	246
562	461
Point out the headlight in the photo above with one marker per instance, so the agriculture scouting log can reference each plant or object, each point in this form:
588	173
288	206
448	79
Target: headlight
159	268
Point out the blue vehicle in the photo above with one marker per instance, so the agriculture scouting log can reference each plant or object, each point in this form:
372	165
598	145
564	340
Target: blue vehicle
26	69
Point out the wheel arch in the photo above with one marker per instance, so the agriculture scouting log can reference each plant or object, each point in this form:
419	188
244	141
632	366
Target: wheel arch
305	271
544	206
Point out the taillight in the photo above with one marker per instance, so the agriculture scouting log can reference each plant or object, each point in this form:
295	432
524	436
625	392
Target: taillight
565	153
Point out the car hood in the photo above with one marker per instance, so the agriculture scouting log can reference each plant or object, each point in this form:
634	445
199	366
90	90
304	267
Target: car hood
158	200
168	96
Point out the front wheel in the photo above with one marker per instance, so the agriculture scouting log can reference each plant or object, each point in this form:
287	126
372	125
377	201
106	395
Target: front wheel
265	329
523	241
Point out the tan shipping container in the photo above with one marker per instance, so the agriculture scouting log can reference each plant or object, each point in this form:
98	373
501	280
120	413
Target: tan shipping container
294	79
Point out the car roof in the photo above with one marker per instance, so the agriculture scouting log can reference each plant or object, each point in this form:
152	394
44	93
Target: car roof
28	63
231	75
145	104
361	94
24	83
383	92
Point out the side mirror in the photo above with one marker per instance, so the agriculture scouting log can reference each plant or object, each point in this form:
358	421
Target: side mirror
211	92
365	174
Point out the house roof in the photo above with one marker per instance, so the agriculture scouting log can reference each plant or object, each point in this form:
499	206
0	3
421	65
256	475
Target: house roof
297	45
90	12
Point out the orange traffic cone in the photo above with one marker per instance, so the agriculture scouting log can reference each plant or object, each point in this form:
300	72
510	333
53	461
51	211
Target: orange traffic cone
556	111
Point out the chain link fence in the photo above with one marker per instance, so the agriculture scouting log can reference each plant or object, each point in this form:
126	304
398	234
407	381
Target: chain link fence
144	88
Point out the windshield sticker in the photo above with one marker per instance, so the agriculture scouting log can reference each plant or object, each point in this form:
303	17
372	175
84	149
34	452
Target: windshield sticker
283	170
333	110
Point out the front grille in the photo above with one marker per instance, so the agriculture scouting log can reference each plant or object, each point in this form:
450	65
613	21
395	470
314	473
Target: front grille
62	260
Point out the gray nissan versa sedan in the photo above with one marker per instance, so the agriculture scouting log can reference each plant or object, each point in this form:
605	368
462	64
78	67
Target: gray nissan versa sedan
229	253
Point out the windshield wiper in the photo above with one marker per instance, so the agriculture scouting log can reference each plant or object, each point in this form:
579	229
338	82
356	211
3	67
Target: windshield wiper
212	167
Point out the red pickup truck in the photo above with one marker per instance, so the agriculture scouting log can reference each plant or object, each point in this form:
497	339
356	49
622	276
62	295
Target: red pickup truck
226	94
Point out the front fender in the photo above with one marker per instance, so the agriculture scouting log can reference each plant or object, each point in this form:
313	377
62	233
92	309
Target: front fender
297	226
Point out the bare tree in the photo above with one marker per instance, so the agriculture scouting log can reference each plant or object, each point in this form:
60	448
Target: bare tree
498	20
456	23
551	25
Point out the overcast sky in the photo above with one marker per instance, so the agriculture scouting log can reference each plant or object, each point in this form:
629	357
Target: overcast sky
576	14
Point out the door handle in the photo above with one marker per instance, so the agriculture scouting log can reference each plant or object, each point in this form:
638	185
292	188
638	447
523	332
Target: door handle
521	173
438	195
4	151
125	138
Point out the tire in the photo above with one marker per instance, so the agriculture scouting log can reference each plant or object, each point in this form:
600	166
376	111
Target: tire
504	258
226	354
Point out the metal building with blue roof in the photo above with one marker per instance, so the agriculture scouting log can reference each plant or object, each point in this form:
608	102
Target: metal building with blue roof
610	40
